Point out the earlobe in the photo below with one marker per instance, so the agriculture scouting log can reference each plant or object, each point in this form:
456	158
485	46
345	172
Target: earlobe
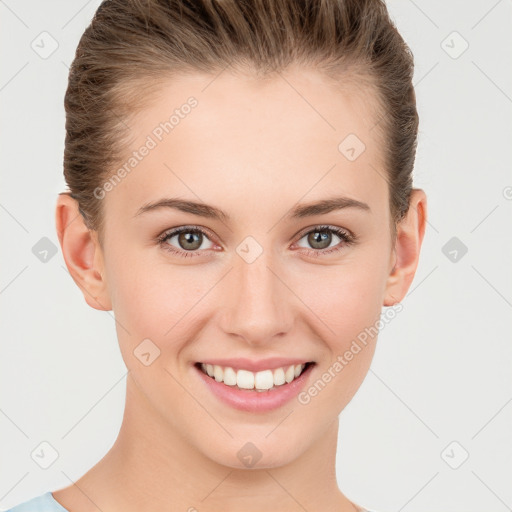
82	253
410	234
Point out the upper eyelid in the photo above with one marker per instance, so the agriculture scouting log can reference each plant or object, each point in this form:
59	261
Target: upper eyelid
325	227
175	231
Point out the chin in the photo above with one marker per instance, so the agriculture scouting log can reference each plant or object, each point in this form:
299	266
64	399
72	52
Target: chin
257	451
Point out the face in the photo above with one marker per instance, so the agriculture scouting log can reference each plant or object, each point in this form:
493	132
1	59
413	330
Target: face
267	283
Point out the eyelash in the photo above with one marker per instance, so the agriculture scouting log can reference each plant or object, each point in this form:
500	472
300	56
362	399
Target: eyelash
346	237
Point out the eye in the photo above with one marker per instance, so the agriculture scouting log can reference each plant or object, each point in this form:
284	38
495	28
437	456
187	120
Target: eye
321	237
189	240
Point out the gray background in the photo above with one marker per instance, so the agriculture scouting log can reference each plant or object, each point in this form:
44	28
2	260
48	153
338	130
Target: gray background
439	389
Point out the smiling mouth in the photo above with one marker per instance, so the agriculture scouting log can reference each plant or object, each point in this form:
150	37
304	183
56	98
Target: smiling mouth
265	380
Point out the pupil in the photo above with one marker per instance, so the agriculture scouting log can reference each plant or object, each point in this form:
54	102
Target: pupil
318	239
187	238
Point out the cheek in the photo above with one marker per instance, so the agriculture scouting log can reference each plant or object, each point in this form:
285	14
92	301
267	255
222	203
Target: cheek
348	300
347	306
156	300
152	297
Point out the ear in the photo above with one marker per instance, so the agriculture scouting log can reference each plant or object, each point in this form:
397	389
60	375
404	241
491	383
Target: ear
410	233
82	253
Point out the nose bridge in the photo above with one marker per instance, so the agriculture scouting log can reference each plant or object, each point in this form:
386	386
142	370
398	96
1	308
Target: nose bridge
258	308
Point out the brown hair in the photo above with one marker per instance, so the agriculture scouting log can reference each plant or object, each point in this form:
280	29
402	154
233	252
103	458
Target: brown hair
132	46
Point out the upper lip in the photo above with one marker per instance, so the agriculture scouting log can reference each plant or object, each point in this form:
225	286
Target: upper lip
256	366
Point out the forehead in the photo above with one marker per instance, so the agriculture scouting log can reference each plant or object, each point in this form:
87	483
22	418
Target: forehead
246	138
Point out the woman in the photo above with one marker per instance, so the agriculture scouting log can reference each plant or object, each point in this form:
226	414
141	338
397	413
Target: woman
240	195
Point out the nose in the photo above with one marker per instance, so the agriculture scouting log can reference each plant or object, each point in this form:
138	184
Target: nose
259	305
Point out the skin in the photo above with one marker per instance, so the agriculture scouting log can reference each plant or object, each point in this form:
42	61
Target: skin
253	148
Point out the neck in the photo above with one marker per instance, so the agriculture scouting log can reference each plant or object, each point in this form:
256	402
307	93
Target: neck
150	466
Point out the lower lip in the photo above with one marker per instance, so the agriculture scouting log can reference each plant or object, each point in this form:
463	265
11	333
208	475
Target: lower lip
256	401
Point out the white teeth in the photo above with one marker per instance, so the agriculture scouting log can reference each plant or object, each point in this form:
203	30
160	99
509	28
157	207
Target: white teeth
279	379
260	381
218	373
289	374
245	379
230	377
264	380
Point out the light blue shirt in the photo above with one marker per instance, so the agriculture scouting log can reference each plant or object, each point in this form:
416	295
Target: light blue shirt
42	503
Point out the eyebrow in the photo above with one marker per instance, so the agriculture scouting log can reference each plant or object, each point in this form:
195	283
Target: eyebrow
298	212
